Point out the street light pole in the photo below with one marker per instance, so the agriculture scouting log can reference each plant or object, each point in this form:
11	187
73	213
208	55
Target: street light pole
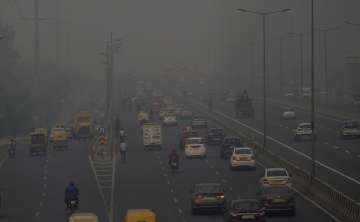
263	15
312	70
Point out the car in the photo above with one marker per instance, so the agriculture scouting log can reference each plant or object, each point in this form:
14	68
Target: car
350	129
186	114
69	133
245	210
199	123
186	134
289	94
304	132
242	157
275	177
215	136
169	121
288	115
278	199
227	146
195	147
208	197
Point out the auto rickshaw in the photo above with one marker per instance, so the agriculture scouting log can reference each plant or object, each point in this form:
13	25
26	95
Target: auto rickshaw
143	215
83	217
38	142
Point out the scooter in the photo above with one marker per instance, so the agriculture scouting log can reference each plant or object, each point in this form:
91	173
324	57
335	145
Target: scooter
11	152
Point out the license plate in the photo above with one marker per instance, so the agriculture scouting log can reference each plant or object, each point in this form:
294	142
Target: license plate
248	216
73	202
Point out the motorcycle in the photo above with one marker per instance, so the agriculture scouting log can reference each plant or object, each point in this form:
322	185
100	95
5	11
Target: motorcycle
174	165
12	152
73	206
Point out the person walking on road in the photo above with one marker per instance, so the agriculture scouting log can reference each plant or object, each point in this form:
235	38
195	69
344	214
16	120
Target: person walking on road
123	148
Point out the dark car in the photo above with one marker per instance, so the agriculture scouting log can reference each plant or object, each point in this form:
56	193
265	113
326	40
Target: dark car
208	197
278	199
245	210
227	146
199	123
215	136
350	129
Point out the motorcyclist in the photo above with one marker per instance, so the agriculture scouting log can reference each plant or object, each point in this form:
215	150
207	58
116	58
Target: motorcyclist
71	193
173	156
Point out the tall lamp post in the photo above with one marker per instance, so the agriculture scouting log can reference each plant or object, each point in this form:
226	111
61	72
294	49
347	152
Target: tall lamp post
264	16
325	32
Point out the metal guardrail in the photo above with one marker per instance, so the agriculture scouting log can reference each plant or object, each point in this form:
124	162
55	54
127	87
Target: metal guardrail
325	195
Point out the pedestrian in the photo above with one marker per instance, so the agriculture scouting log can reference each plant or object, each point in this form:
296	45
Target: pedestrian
123	151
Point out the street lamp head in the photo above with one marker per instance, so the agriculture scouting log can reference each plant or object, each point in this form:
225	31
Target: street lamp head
242	10
286	10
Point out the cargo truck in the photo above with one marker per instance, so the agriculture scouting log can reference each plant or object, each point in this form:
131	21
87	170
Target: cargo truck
152	137
83	125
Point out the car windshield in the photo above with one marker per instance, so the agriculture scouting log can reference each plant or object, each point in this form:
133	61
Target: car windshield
351	125
194	140
276	190
305	126
250	204
208	188
277	173
243	151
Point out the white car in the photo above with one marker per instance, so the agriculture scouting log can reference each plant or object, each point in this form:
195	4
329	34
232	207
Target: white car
242	157
195	147
288	115
350	129
169	120
275	177
304	132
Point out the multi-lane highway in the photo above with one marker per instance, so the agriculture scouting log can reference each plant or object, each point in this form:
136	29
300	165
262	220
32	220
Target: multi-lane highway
338	160
34	187
145	180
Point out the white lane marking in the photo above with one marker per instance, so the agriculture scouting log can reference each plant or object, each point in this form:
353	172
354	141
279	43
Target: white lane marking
207	161
45	186
41	204
230	188
45	177
316	205
43	194
168	182
37	214
161	163
336	147
165	175
281	125
211	166
326	143
347	151
171	190
175	200
224	180
180	211
217	172
291	148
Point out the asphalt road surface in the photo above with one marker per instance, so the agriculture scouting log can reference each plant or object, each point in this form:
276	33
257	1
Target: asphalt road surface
145	181
340	155
34	187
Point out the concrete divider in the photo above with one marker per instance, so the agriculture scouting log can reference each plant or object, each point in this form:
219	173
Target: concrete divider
334	201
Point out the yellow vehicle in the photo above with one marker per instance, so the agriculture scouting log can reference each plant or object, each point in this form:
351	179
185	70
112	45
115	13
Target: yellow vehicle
143	215
83	217
38	141
83	125
59	138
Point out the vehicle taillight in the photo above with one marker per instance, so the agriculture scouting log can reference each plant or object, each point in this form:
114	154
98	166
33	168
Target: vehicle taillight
221	196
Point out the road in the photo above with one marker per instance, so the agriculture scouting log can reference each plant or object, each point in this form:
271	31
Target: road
33	187
340	155
145	181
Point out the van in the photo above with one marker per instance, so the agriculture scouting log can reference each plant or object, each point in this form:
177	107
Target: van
143	215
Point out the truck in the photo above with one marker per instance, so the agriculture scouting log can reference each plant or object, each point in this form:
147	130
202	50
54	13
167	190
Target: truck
152	137
244	106
83	125
38	141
